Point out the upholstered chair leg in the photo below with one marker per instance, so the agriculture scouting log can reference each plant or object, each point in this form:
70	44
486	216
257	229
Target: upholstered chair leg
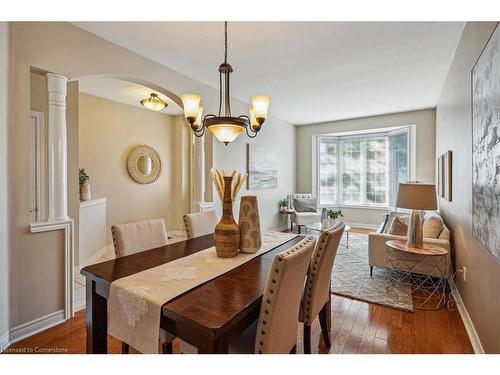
166	348
325	327
294	350
371	271
307	339
125	348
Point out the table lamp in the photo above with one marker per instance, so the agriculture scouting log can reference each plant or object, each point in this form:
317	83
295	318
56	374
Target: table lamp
416	197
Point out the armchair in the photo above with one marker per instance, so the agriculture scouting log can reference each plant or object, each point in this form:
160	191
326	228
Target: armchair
303	218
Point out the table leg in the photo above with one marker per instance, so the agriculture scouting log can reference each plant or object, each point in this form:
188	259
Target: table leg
216	346
96	316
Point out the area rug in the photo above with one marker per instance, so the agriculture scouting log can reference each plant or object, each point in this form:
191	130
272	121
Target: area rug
351	277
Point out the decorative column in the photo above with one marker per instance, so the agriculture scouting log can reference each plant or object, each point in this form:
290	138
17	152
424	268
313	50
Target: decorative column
57	147
198	174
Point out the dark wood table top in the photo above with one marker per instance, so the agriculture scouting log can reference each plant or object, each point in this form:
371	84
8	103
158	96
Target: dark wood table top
216	305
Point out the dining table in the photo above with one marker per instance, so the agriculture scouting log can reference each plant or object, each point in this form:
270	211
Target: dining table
207	316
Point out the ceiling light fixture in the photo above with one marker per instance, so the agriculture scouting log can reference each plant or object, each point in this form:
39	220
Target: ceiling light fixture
225	126
153	103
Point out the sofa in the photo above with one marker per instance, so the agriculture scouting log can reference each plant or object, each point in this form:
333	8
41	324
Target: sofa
303	218
377	240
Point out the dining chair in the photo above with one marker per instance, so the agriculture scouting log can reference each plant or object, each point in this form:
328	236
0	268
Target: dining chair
275	332
316	297
200	223
131	238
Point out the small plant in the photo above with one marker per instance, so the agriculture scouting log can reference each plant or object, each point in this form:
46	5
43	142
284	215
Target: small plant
334	214
84	177
284	202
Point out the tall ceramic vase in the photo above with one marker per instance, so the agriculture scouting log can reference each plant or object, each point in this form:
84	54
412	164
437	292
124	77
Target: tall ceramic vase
250	235
227	232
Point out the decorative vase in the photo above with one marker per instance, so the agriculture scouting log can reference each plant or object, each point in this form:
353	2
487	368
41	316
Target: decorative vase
249	221
227	232
85	192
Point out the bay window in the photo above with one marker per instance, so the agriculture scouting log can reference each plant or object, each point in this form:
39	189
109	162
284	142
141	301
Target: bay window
362	169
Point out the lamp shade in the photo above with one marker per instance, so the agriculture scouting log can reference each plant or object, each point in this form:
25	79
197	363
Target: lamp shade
260	105
416	196
191	104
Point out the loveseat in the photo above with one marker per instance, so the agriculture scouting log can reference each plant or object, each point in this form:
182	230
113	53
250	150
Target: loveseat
431	233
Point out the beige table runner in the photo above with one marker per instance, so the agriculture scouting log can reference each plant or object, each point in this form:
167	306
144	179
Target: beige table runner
135	301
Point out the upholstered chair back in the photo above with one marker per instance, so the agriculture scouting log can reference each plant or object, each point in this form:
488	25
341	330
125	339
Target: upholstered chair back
278	320
131	238
200	223
317	289
299	196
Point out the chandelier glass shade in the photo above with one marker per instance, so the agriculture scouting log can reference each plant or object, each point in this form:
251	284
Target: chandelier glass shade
153	103
225	127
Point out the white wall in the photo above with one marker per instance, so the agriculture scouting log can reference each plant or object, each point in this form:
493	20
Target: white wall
108	131
424	121
454	132
4	243
275	134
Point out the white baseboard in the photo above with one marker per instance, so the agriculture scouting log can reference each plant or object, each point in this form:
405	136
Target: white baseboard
79	305
469	326
4	341
40	324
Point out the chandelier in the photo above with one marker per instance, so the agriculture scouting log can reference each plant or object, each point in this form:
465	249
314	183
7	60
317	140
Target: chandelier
225	127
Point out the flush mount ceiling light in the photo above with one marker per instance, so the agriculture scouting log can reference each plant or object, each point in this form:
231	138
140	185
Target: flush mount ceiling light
225	126
153	103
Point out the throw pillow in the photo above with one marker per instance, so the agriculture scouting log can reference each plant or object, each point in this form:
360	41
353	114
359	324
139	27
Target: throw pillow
432	226
398	227
403	215
304	205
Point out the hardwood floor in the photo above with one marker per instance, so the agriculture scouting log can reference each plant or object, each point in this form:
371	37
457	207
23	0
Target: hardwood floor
357	327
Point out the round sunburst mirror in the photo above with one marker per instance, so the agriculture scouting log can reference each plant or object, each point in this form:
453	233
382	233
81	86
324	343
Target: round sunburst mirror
144	164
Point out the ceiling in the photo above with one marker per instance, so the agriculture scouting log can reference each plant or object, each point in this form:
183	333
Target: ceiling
125	92
314	71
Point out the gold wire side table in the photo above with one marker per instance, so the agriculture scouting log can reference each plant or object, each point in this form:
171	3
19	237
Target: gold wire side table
423	269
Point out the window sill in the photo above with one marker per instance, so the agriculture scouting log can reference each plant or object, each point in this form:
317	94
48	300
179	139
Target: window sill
377	208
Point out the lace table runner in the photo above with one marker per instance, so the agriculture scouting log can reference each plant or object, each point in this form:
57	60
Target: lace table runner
135	301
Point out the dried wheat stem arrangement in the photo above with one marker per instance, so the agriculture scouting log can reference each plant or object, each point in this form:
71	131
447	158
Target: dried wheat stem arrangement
218	175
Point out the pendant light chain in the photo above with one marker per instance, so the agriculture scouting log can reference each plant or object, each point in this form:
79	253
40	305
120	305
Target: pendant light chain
225	41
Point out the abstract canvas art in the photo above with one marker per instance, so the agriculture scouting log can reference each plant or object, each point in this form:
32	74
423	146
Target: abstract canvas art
262	167
486	146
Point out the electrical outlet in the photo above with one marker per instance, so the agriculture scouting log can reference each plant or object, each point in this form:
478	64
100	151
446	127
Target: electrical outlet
464	273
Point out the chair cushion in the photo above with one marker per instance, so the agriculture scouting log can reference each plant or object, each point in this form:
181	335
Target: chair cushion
398	227
305	205
433	225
